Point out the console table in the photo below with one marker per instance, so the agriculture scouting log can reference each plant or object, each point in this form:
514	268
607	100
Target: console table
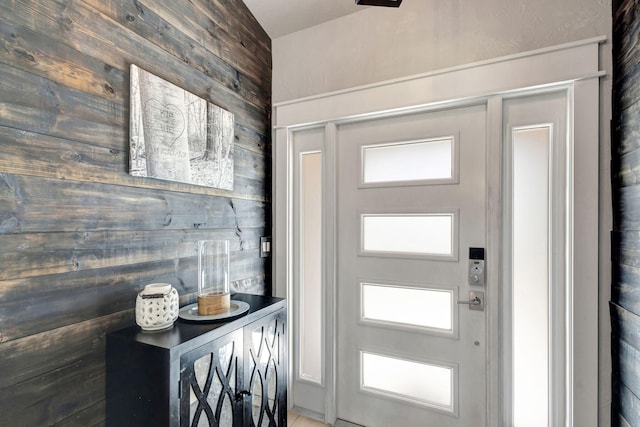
231	373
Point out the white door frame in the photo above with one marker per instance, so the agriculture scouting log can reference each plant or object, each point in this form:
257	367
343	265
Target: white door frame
572	67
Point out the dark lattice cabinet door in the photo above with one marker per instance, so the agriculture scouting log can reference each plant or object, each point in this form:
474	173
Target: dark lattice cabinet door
211	378
265	376
228	374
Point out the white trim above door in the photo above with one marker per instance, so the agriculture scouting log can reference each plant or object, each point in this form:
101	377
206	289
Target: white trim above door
572	67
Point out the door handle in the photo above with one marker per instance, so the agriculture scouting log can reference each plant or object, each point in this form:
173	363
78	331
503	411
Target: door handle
475	302
240	395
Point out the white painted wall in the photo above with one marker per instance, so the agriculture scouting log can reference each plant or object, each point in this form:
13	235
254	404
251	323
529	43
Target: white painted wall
379	44
423	35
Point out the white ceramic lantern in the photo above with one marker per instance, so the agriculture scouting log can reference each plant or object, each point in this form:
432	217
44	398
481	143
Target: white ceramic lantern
157	306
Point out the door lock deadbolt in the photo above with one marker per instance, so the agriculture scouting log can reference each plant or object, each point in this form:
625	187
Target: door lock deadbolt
476	266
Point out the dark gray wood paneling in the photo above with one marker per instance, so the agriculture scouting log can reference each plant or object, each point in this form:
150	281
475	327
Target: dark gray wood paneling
25	49
626	405
625	237
626	30
93	416
626	364
36	104
628	171
625	291
32	205
34	356
626	131
92	288
617	420
627	200
34	154
40	401
39	105
78	25
78	251
222	32
625	327
79	237
144	22
626	248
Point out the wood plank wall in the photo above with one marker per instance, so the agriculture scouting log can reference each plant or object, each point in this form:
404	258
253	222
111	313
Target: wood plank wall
79	237
625	291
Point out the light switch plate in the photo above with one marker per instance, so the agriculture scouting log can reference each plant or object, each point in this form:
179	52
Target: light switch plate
265	246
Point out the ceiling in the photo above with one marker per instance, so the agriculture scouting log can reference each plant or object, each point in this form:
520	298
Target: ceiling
282	17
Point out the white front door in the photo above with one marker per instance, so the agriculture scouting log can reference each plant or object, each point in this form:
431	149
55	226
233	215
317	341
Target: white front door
411	198
382	298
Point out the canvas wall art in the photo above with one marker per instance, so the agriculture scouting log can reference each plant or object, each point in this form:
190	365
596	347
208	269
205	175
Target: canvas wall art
178	136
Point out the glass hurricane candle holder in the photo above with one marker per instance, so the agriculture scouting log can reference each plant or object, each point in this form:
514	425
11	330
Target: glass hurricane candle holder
213	277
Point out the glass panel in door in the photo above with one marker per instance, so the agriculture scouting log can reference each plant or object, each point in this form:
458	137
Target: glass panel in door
537	226
308	386
409	162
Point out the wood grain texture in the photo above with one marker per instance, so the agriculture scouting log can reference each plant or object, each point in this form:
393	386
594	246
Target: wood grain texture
33	205
626	364
625	246
624	291
35	355
626	405
627	203
91	288
628	169
626	135
79	251
619	421
33	103
626	54
26	49
626	89
28	153
142	20
94	34
626	30
40	402
221	32
79	236
625	237
93	416
625	326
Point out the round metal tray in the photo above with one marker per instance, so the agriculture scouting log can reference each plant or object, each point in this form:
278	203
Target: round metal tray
190	312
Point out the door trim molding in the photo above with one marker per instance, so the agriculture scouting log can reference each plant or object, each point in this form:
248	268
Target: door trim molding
568	62
574	67
494	252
